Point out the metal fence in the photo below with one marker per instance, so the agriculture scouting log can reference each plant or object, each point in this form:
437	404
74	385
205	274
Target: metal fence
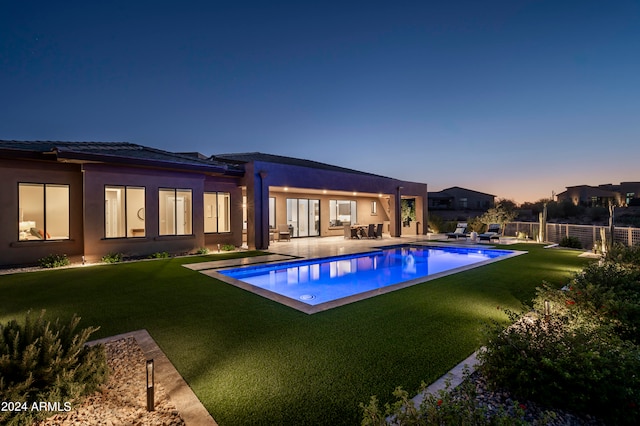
587	234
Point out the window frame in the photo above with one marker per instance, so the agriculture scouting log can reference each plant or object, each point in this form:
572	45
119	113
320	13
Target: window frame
127	213
175	191
217	211
334	213
45	228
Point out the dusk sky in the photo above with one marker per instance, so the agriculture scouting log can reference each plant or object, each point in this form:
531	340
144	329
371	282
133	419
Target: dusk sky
513	98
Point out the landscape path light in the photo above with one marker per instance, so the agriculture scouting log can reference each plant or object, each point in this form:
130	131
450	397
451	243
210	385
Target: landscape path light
547	309
150	384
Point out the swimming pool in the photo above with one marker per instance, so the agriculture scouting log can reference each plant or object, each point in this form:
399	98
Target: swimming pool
313	285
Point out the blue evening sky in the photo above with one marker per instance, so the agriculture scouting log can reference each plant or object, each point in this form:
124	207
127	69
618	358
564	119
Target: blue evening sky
514	98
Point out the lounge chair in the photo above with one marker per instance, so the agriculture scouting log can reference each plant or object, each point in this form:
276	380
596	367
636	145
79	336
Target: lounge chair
460	232
283	232
493	233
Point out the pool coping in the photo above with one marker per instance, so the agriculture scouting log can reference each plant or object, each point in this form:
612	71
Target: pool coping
321	307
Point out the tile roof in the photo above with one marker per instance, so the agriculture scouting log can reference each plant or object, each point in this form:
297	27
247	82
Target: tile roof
116	152
247	157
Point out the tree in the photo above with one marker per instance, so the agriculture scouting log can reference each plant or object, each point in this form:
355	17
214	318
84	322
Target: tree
502	213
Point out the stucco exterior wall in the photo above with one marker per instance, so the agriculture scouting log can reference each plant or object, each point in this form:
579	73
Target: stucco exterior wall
260	176
97	176
87	211
13	172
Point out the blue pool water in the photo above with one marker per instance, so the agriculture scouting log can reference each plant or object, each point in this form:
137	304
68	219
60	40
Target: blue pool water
318	281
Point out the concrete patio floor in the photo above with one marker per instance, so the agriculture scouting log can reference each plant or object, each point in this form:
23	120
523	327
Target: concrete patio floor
313	247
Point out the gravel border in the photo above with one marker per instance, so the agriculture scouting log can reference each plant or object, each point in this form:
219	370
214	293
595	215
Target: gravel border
122	401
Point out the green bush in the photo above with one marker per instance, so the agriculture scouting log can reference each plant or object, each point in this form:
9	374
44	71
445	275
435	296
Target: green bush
583	353
436	223
610	293
582	367
446	407
113	258
570	242
228	247
42	361
54	261
202	250
625	256
159	255
475	224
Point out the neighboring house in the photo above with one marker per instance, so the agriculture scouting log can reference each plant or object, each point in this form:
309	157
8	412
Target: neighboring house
89	199
624	194
456	198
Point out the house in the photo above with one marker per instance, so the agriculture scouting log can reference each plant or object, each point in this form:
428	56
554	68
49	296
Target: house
89	199
456	198
624	194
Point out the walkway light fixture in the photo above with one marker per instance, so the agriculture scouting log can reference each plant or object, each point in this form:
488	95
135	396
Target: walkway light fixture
547	309
150	385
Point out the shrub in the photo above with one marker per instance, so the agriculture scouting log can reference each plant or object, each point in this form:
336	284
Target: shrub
54	261
202	250
625	256
448	406
436	223
570	242
159	255
611	293
46	362
583	366
475	224
228	247
112	258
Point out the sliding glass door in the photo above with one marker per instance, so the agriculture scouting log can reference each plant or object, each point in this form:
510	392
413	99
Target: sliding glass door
303	216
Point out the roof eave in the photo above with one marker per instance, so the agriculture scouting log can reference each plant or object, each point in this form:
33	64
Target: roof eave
114	159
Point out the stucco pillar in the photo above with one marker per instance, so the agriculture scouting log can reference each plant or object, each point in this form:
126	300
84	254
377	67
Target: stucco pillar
396	218
262	212
257	210
422	213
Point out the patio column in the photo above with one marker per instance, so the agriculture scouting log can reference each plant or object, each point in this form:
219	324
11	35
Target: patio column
257	210
397	213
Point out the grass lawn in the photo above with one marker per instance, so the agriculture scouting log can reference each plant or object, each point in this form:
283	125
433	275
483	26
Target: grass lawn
254	361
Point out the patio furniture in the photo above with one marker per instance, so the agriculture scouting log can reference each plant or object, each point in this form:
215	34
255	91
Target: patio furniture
460	231
378	231
493	233
284	232
347	231
371	231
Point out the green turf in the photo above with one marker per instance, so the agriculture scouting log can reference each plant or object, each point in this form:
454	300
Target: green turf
254	361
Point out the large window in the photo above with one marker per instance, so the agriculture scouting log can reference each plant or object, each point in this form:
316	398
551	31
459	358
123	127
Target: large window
342	212
43	211
217	212
174	211
123	212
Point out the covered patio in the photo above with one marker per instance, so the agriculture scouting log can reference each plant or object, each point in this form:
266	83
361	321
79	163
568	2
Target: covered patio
316	200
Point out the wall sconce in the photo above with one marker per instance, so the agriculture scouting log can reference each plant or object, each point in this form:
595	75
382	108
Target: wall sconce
150	384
